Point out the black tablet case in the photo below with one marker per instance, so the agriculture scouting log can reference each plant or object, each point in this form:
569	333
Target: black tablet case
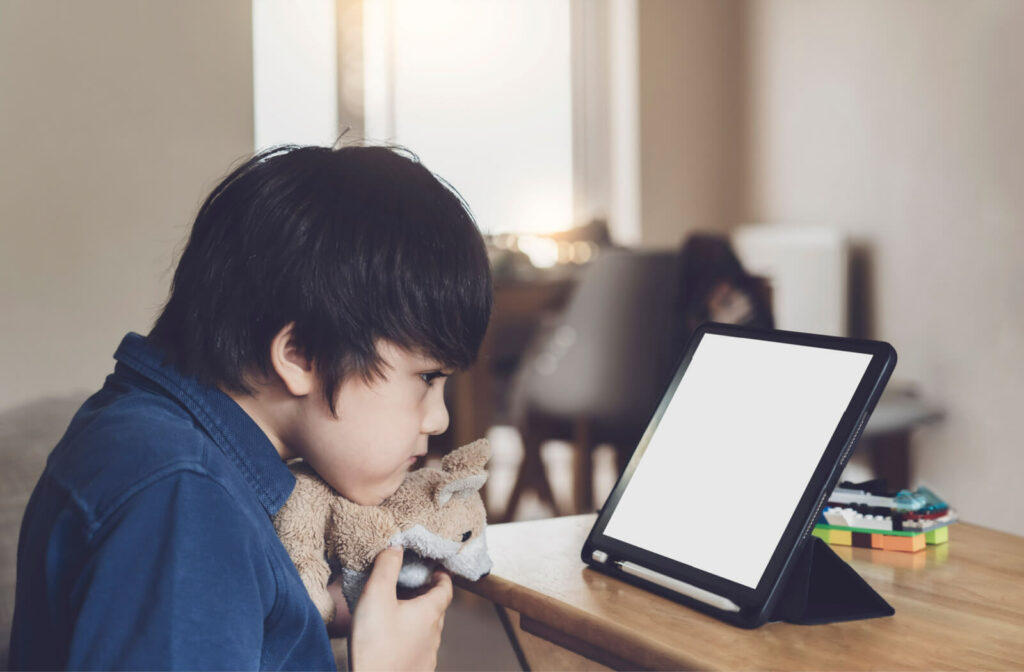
821	588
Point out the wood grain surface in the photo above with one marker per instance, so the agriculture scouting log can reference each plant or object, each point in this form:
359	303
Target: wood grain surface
958	606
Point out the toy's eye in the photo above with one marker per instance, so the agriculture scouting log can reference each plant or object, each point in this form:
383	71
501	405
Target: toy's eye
467	535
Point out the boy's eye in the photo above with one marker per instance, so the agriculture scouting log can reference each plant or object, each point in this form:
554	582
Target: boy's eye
431	376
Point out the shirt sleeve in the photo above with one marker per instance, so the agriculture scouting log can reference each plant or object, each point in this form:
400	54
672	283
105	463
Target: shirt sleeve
172	581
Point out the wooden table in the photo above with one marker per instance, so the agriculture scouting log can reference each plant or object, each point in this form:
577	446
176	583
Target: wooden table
958	606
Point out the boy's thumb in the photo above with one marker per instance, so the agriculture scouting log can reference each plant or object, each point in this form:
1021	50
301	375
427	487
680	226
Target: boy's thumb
386	567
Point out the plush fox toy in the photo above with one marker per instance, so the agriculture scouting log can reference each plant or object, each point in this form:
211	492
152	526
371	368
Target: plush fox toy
437	515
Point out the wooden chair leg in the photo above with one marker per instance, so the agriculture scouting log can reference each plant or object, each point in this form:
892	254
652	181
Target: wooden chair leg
623	453
543	485
583	468
531	476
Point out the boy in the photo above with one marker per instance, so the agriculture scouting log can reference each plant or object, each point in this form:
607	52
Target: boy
322	299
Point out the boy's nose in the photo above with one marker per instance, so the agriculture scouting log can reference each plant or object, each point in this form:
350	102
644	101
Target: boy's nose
436	420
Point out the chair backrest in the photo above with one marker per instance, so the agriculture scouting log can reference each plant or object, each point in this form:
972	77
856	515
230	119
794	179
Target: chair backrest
609	356
27	435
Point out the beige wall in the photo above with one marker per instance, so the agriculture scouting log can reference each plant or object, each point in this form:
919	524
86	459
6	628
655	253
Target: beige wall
901	123
116	117
692	106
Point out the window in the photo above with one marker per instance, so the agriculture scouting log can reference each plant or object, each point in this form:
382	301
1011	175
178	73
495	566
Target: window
294	72
528	107
481	90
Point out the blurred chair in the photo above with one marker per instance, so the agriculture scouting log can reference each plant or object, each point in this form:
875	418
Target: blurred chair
27	435
597	373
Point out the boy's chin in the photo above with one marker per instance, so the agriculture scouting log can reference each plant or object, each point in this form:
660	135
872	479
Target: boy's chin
381	497
377	495
367	500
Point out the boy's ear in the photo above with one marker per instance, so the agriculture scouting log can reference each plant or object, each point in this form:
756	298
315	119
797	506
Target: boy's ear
290	363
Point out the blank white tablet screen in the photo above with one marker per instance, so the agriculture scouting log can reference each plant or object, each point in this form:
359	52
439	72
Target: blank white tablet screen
734	451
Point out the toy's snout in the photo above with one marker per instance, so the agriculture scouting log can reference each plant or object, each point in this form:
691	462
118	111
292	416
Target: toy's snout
472	560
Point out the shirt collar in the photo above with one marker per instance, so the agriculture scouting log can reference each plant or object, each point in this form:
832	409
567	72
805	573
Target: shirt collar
228	425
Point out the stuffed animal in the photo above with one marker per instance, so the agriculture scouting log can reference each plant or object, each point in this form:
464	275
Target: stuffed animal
437	515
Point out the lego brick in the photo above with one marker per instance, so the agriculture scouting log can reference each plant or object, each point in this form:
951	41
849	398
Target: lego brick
840	516
939	536
861	539
875	522
906	544
821	534
876	541
897	533
924	525
841	537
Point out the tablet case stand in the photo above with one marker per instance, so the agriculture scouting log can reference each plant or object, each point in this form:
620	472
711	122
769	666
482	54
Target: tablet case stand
821	588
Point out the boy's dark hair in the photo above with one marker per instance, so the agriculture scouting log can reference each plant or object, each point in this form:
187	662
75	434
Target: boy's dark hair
352	245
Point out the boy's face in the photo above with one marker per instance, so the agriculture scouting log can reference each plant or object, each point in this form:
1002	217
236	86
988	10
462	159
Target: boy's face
381	427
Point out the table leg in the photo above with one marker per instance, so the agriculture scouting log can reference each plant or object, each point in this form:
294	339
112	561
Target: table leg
539	653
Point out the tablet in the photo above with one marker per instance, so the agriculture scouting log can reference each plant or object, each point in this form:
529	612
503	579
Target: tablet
731	473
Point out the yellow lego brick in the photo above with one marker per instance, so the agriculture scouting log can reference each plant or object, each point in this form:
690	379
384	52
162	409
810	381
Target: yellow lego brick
939	536
840	537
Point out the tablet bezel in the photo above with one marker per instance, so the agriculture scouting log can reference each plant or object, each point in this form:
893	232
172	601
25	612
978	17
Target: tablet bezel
821	483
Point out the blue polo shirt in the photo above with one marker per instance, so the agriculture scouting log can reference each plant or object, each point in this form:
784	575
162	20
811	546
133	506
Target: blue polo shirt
148	541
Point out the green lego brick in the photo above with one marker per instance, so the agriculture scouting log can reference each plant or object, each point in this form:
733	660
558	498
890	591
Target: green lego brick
820	533
866	530
939	536
889	533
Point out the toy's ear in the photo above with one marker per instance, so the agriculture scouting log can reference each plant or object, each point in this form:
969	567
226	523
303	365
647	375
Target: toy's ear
463	470
466	485
468	459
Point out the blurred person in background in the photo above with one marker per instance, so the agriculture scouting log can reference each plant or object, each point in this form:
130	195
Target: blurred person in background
714	287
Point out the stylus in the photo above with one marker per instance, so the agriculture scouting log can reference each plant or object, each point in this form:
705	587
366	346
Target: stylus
678	586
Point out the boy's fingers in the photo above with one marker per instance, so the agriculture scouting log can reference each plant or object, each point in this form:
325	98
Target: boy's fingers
384	576
441	592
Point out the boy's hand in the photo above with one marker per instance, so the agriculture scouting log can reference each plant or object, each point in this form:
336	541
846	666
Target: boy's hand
393	634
